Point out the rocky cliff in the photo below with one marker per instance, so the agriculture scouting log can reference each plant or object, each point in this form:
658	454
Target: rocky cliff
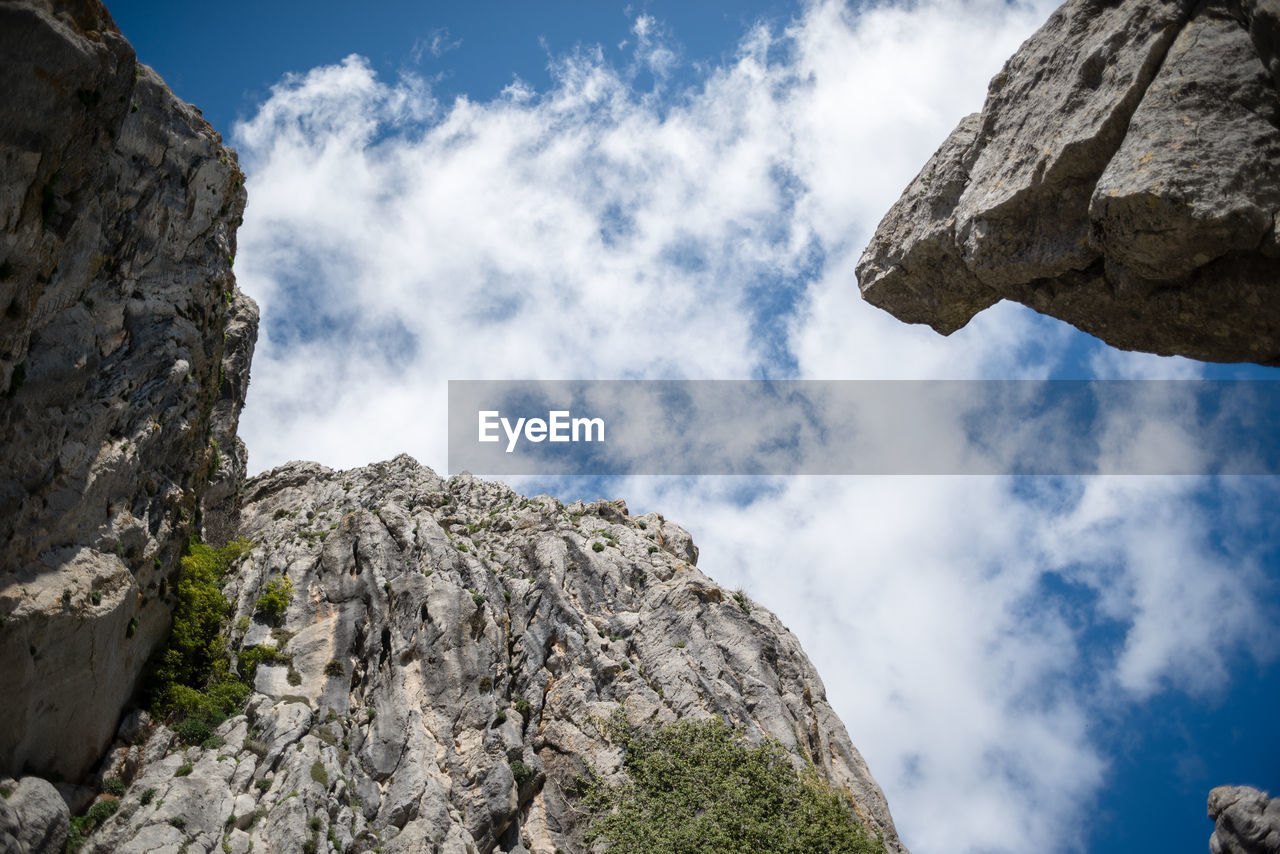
1123	175
124	351
439	674
377	659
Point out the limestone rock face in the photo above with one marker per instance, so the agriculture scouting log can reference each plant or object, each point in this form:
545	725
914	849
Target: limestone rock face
448	657
1246	821
33	817
124	354
1123	175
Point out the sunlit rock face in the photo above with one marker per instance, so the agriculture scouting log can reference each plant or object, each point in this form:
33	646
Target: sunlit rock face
124	356
448	657
1245	821
1123	175
446	653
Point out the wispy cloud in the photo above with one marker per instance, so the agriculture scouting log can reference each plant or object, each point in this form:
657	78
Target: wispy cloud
437	43
969	630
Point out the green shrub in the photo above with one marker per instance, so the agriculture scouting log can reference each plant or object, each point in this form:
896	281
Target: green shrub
499	719
520	771
184	770
335	668
83	825
101	811
145	797
274	600
597	546
478	599
190	676
193	730
178	822
319	774
248	659
697	787
113	786
263	784
523	707
652	549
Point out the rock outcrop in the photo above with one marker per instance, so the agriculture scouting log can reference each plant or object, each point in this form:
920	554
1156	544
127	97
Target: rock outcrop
1123	175
124	354
443	670
446	655
1245	820
33	817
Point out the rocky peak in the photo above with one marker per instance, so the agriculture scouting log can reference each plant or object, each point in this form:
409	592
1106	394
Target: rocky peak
1123	175
443	665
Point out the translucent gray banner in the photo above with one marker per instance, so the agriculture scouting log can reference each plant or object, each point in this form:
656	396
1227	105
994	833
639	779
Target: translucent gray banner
714	427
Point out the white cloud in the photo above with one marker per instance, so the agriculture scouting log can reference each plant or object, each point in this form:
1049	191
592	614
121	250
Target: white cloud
957	624
590	230
593	230
437	43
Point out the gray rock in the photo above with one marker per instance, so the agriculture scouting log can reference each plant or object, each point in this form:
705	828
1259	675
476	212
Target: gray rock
441	633
450	605
1124	176
33	818
118	210
1246	821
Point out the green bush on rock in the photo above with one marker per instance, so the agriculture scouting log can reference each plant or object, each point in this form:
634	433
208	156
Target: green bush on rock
81	826
190	679
697	787
274	600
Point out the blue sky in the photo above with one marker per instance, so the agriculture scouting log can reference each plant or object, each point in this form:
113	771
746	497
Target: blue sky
681	190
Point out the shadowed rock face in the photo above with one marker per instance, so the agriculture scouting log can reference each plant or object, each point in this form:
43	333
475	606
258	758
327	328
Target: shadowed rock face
1246	821
1124	176
124	356
483	628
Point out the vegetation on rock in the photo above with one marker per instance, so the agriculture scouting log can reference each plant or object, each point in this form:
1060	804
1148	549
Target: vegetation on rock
191	680
274	600
697	787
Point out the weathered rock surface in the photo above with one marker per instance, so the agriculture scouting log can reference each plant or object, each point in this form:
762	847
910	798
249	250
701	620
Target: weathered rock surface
1123	175
118	209
33	817
452	650
1246	821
